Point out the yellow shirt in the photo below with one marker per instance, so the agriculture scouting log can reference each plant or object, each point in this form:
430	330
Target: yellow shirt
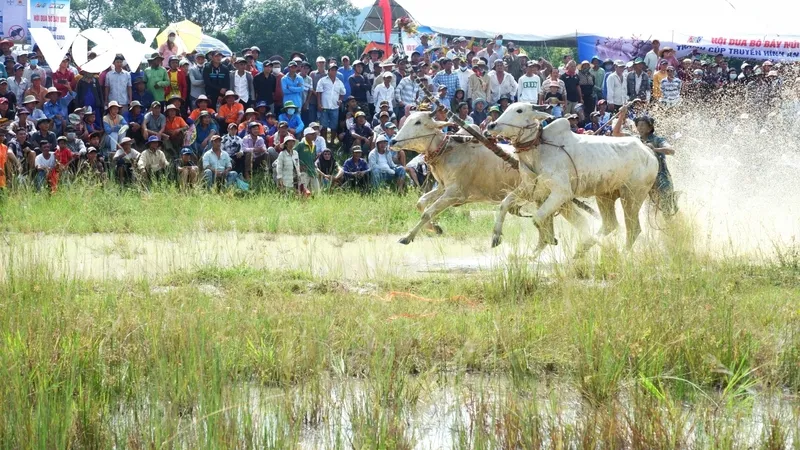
173	82
657	77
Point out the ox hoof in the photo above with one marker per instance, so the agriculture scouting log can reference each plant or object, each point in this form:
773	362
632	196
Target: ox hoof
405	241
437	229
496	240
554	242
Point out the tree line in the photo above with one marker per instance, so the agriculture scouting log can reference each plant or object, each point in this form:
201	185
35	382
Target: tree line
277	27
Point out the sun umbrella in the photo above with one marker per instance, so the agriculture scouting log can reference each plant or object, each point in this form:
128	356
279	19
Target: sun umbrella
208	44
188	35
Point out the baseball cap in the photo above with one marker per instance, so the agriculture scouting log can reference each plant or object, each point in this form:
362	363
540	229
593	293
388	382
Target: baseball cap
186	151
321	59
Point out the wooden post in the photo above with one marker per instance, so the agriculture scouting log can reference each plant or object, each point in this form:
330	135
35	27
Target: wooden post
490	144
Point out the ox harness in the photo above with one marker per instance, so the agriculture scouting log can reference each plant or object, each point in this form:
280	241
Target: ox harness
536	142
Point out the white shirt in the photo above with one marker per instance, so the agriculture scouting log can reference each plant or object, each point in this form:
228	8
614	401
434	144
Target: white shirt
382	162
651	61
617	92
463	78
529	88
330	92
285	167
18	88
508	86
382	93
40	162
131	157
242	88
637	81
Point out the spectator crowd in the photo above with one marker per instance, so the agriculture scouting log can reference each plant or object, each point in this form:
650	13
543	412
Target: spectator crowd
307	124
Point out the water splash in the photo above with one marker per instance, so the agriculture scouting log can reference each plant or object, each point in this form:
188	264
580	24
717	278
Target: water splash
737	162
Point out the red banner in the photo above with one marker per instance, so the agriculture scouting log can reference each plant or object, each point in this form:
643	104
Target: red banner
386	10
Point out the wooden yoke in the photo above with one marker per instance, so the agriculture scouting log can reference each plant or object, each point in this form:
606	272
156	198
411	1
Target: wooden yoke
489	143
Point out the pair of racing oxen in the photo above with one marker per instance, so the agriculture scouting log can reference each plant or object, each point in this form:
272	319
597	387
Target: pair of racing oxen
556	167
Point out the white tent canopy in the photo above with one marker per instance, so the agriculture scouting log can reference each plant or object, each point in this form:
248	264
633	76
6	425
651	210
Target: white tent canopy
527	22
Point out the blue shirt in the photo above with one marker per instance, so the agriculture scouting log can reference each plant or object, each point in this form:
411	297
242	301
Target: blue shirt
293	90
345	77
146	99
294	122
350	167
202	133
51	110
216	163
139	118
451	81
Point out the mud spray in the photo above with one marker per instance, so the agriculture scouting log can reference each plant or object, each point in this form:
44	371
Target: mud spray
737	163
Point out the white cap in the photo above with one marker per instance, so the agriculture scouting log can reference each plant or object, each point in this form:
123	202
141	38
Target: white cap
321	59
308	131
381	138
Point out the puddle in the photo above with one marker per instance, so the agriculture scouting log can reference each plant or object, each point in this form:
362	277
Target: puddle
102	256
449	413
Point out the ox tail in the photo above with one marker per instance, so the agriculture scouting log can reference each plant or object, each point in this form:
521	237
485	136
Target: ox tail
582	205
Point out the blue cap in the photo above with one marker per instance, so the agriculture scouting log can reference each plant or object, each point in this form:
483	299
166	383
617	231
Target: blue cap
595	57
10	58
18	67
153	139
185	151
260	104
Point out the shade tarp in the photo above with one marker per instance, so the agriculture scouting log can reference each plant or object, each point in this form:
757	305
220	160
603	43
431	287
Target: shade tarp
526	22
374	20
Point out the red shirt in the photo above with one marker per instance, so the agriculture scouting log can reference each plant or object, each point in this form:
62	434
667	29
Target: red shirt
64	156
67	76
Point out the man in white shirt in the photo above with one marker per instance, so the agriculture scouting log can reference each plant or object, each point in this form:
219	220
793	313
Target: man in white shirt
617	93
384	91
529	85
218	165
489	53
501	83
45	164
330	93
463	72
651	58
381	166
242	83
459	48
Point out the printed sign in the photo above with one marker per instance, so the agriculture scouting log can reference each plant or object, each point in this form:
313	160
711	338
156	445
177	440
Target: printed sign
735	46
14	20
52	15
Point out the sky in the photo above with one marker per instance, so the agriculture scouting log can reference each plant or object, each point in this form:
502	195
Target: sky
688	16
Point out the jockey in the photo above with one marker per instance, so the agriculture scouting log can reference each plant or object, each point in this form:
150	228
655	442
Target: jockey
663	189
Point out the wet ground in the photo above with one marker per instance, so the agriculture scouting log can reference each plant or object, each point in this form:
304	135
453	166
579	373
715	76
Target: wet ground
124	255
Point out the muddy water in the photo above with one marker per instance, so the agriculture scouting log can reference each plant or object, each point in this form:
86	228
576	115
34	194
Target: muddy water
122	256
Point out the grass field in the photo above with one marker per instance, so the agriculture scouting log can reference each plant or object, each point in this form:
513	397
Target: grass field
86	209
667	347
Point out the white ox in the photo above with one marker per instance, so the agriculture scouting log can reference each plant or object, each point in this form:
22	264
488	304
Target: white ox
558	165
466	172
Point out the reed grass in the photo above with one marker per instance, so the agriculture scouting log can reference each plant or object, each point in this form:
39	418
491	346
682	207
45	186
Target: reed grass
662	348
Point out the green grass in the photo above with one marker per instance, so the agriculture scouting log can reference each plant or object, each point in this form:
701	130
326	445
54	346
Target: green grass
86	209
180	362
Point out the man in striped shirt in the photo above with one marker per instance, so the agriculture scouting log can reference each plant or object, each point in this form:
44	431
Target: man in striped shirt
670	88
406	93
447	78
